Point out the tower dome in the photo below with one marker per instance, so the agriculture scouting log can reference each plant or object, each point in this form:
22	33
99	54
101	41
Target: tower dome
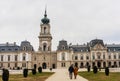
45	20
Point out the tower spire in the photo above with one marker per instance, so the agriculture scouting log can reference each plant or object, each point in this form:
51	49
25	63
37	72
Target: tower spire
45	12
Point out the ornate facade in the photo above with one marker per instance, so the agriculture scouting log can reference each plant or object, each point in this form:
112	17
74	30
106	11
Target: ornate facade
92	53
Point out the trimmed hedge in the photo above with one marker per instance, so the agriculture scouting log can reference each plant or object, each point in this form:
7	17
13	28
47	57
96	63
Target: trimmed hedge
95	69
107	71
34	71
5	75
25	72
40	69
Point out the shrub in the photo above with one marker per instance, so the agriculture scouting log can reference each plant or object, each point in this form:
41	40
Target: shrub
95	69
5	75
107	71
88	68
33	71
25	72
40	69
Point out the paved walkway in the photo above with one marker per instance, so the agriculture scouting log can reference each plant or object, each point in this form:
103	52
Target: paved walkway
63	75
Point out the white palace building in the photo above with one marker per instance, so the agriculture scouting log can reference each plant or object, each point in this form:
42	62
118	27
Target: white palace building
95	52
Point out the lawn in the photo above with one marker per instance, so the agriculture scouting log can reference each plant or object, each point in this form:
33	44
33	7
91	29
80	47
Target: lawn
38	77
100	76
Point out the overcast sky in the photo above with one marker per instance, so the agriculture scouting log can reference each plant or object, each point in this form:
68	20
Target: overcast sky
77	21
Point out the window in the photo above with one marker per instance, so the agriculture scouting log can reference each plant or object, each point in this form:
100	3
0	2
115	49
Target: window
63	56
109	57
44	47
8	64
103	56
63	47
81	58
23	64
114	56
15	64
8	57
24	58
63	65
24	48
98	56
16	57
76	57
44	30
1	57
87	57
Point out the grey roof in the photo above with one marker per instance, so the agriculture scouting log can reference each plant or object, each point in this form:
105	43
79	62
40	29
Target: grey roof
80	48
63	45
96	41
12	47
86	47
9	47
113	47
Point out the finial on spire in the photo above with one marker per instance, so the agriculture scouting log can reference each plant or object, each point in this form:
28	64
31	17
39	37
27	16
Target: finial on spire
45	11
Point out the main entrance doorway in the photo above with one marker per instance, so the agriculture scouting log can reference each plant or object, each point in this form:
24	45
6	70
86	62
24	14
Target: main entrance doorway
44	65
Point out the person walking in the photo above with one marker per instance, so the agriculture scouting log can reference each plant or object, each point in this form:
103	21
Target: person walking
75	72
71	70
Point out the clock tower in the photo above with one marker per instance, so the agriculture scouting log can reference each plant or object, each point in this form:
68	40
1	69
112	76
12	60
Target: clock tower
45	37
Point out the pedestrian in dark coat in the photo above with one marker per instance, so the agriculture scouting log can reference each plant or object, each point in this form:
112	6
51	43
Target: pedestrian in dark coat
71	70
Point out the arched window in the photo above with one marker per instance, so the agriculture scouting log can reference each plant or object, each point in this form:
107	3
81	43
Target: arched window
76	57
44	29
81	57
63	56
98	55
87	57
24	48
24	57
63	47
44	47
104	56
114	56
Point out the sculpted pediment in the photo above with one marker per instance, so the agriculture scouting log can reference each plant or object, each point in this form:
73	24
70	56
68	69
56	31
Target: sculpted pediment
98	47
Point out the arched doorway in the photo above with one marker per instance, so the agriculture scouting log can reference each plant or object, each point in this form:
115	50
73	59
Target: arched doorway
76	64
87	64
53	66
115	64
93	64
44	65
104	64
81	65
98	64
109	64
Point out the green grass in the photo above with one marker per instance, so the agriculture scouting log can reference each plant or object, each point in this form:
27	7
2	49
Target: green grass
38	77
100	76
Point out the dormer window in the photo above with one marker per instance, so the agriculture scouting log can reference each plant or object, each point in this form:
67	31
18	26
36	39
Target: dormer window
63	47
24	48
